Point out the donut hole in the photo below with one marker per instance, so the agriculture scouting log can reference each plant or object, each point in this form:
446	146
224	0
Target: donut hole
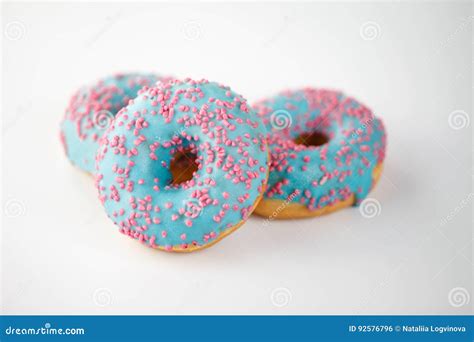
182	166
312	139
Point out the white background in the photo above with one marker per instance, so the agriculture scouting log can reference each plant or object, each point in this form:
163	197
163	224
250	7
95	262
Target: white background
62	255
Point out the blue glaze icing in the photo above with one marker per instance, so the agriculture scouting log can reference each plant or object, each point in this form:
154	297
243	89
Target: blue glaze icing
91	110
318	176
133	176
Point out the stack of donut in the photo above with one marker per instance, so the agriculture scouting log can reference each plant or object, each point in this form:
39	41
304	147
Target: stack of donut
181	164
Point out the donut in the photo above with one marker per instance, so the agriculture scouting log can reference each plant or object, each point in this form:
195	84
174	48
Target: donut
200	129
91	110
327	152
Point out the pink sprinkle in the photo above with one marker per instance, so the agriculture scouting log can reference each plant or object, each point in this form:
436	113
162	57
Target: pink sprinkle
323	180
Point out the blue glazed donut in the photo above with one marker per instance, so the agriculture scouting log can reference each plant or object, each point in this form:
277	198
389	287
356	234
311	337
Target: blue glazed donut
326	150
91	110
210	124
